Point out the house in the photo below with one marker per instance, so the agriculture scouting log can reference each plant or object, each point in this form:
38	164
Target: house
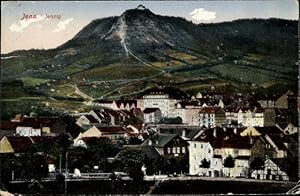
162	97
271	171
170	145
215	145
7	128
19	144
270	142
116	104
245	116
48	125
211	117
186	132
14	144
188	111
87	120
35	126
114	133
152	115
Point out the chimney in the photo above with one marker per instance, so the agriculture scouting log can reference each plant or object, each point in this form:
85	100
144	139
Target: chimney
251	140
235	131
215	132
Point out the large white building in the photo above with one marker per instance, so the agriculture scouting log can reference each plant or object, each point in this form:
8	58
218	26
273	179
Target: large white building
211	117
248	117
188	112
163	98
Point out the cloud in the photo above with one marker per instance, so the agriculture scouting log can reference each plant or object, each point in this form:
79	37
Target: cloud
62	25
23	24
200	14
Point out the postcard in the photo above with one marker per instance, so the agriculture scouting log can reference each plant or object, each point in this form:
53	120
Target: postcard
149	97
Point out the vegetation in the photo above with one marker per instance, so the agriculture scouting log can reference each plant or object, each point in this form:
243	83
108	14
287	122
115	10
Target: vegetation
229	163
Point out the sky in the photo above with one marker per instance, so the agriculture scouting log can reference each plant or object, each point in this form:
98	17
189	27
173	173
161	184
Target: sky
48	24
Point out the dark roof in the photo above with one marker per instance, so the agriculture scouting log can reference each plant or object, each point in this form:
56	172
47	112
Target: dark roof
189	132
189	103
210	110
91	118
226	138
174	93
19	143
112	130
150	110
8	125
148	151
90	140
102	101
6	133
242	157
269	130
159	139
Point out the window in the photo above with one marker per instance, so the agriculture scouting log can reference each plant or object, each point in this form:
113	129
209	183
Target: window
169	150
183	149
209	151
178	150
201	146
174	150
195	146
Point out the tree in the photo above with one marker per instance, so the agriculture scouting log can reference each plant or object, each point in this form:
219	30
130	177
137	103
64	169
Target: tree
229	163
257	164
205	164
132	160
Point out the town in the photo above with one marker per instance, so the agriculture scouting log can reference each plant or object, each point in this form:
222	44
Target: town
165	132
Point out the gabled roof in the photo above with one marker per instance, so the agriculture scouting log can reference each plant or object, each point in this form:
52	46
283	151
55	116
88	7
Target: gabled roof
91	118
159	139
150	110
19	143
111	130
125	102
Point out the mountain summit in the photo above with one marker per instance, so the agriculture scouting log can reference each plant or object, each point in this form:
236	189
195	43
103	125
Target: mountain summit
140	47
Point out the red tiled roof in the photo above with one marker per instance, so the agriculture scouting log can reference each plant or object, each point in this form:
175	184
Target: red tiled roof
210	110
19	144
112	130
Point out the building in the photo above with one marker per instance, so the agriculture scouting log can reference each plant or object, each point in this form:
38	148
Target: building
152	115
211	117
271	171
162	97
170	145
114	133
87	120
188	111
35	126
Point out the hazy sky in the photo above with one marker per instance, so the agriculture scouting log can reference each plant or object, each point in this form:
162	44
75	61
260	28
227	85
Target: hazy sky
67	18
